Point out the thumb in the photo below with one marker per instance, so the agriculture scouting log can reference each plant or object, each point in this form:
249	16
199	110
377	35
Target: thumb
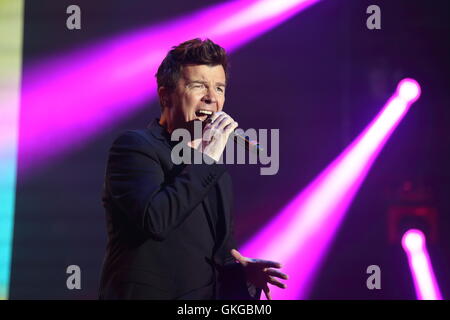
236	254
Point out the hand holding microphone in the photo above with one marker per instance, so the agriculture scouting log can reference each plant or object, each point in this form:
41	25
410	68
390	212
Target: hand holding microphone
219	127
216	132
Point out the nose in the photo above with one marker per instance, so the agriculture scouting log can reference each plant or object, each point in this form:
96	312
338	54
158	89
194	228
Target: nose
210	97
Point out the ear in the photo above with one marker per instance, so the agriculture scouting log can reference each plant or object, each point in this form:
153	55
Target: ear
164	97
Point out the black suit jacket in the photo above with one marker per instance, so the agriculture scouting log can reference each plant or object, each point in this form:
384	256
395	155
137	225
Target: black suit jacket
162	238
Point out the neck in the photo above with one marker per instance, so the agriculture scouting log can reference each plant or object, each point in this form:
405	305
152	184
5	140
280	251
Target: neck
165	122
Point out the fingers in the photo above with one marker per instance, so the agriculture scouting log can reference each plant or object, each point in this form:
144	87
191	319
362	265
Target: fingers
216	115
219	117
277	283
236	254
267	263
230	127
221	123
224	123
276	273
220	120
267	293
214	121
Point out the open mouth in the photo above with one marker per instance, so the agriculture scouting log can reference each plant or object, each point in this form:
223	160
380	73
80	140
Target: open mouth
203	114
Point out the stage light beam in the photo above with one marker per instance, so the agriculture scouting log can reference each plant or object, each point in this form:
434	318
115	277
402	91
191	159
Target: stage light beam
299	236
425	284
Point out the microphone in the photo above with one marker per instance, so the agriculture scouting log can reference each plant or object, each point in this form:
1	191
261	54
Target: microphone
243	140
250	145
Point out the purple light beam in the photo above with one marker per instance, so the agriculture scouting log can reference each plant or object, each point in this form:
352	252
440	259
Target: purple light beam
66	100
301	233
413	242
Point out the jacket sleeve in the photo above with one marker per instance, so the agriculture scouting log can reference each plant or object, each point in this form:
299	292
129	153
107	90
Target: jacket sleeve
135	181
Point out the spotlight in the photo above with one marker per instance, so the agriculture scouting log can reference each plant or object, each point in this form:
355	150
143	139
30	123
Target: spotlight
409	90
413	242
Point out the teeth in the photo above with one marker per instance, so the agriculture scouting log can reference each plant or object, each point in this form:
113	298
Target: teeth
206	112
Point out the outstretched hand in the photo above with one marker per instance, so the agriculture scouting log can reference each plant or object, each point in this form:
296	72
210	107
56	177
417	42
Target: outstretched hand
260	272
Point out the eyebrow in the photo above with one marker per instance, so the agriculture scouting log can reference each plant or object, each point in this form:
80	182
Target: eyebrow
221	84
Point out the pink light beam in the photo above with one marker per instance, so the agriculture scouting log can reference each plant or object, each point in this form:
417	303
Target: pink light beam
301	233
426	286
66	100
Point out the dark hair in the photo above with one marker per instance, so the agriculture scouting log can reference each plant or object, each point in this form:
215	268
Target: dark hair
195	51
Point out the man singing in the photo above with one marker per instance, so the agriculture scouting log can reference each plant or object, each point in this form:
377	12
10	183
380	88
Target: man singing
170	227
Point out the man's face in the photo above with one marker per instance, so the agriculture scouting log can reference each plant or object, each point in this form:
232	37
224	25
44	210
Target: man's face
200	92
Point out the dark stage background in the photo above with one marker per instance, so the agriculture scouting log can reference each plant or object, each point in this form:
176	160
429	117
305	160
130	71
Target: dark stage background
320	77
